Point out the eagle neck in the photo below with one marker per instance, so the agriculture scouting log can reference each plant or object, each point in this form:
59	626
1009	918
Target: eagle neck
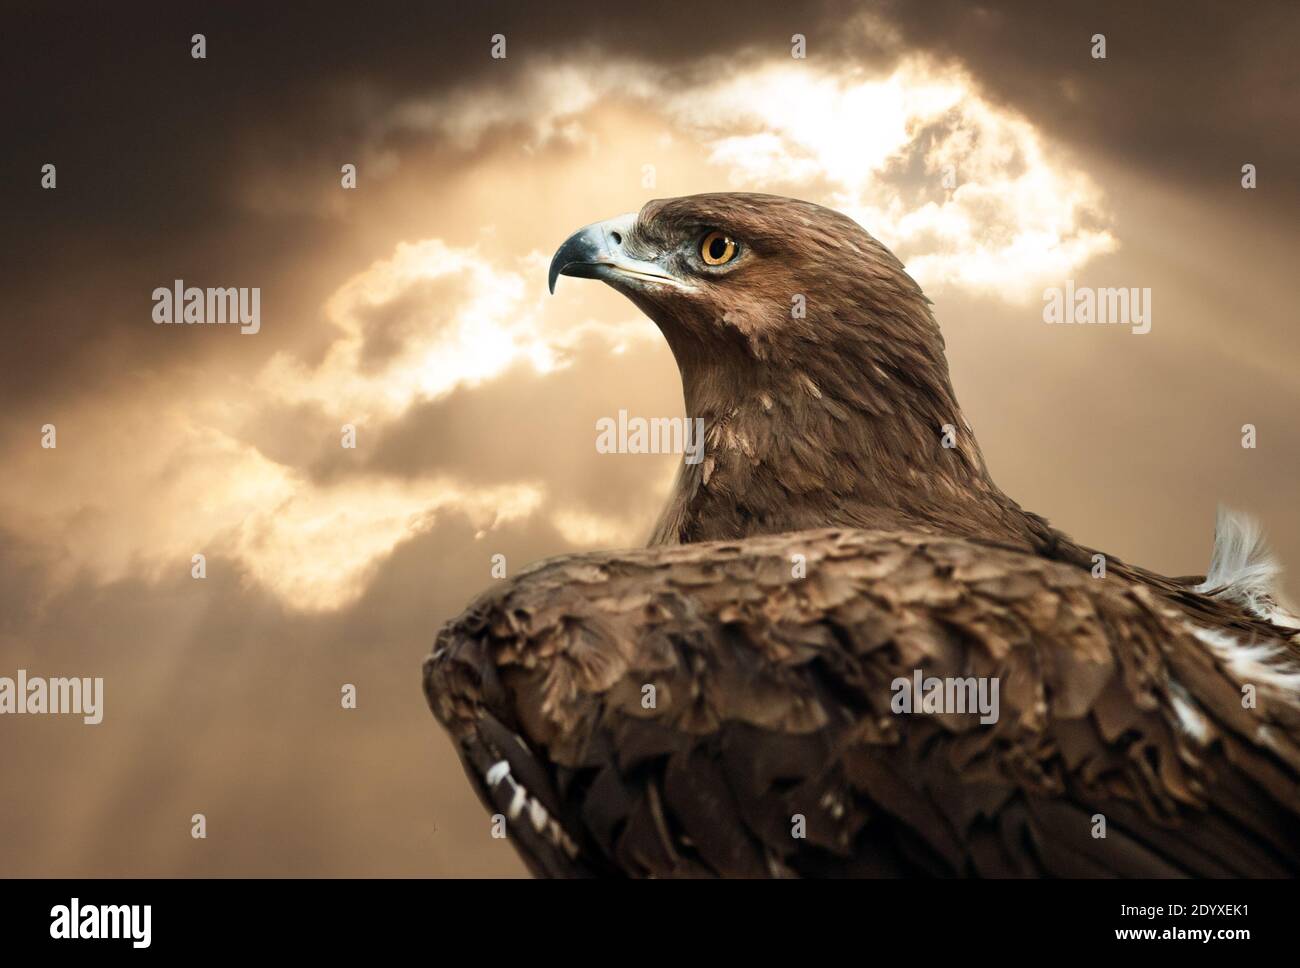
823	443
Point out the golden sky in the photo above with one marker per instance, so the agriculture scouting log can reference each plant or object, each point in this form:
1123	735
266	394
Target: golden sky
989	151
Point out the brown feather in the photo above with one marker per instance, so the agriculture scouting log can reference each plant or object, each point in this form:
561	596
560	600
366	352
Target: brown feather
751	731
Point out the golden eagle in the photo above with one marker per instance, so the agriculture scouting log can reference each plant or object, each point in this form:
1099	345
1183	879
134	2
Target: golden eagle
846	651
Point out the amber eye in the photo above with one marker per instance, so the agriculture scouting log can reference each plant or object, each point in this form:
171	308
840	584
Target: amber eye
716	249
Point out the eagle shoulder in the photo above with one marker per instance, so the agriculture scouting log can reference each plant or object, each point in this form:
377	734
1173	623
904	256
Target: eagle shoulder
733	708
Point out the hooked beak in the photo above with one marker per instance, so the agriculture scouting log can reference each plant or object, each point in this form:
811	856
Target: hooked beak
596	252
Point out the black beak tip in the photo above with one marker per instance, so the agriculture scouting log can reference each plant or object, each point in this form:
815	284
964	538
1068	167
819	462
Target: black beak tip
559	267
577	255
554	273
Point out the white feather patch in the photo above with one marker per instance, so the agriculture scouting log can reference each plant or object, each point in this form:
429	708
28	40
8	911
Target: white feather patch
497	772
1263	663
1243	571
1190	718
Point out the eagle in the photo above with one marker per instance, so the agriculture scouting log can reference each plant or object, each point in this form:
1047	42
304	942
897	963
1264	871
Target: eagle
845	651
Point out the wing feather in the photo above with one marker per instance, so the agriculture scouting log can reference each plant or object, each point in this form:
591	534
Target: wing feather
700	710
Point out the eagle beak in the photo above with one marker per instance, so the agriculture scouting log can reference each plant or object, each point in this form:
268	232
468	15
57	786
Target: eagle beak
596	252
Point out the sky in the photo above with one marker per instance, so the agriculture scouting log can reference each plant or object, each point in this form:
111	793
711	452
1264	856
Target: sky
985	144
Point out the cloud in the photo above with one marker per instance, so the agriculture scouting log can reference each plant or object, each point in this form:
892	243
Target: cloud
438	343
555	93
317	548
198	490
966	192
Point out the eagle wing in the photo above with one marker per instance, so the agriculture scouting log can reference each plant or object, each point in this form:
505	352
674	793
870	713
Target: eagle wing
729	708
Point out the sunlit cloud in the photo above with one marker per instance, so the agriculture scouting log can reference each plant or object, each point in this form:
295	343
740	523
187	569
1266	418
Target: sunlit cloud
311	544
965	192
587	529
317	547
474	330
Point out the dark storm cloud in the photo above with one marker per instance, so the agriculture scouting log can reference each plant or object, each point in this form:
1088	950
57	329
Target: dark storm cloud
145	132
1187	90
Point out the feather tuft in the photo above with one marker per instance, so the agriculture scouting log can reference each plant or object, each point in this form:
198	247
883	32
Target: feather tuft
1242	569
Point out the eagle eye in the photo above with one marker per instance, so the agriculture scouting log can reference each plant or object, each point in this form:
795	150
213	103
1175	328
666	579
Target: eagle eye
717	249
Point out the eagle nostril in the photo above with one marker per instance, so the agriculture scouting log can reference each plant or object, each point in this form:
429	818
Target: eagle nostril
617	237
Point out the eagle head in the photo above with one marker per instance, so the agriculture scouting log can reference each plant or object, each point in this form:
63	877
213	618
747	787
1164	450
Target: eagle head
761	276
